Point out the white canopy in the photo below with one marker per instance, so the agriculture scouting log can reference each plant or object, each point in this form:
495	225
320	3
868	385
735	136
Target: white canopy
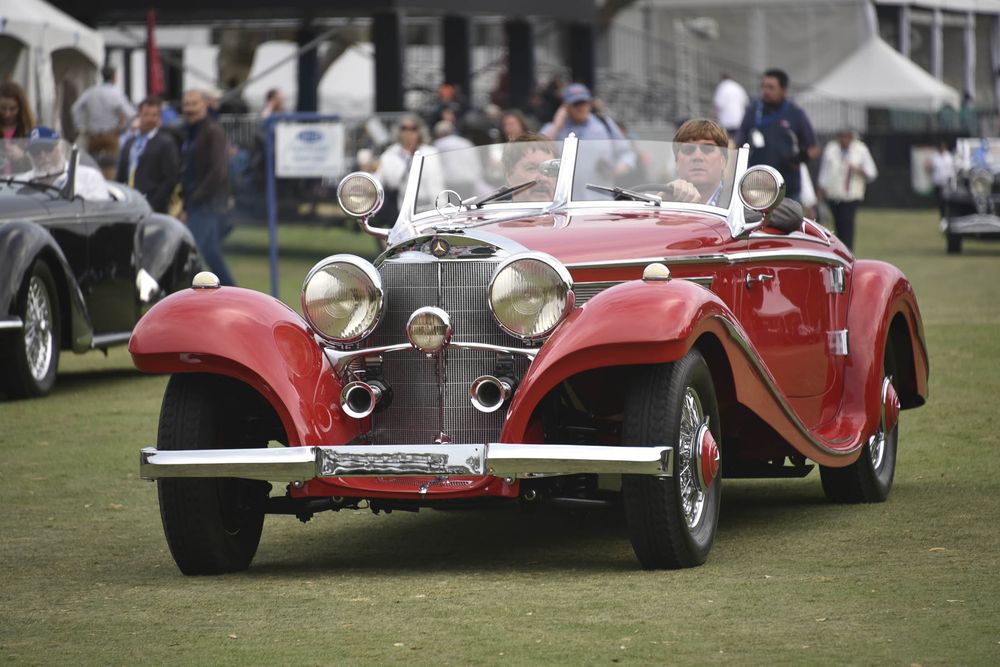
43	49
878	75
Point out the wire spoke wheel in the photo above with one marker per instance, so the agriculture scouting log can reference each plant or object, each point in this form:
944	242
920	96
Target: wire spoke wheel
38	341
672	520
30	359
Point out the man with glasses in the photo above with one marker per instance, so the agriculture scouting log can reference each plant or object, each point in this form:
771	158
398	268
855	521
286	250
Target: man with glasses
701	152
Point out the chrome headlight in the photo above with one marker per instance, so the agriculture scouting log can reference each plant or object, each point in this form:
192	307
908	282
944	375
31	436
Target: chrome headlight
342	298
762	188
980	183
530	294
360	194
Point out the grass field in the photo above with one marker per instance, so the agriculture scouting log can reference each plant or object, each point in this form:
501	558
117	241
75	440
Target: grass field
87	579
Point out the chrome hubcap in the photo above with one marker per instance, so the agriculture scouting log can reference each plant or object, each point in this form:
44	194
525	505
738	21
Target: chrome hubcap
38	329
692	497
876	444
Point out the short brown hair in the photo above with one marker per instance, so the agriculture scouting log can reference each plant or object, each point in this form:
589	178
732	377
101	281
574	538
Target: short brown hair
700	129
518	147
152	101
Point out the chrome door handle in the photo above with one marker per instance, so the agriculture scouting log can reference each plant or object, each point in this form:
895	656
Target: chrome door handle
759	278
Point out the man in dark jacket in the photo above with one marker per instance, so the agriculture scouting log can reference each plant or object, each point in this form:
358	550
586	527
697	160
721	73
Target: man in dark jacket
150	162
778	131
205	181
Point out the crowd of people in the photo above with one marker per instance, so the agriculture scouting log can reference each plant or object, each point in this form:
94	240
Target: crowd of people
183	167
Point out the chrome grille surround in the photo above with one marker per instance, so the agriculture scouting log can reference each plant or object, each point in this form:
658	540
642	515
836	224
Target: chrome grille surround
430	394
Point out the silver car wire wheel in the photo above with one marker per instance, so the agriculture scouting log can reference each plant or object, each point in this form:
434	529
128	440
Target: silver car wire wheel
38	323
692	496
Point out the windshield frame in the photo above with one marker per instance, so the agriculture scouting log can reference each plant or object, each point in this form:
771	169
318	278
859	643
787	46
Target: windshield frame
410	224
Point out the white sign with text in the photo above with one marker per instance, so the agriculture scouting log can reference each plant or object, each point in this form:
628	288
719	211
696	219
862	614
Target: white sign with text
309	150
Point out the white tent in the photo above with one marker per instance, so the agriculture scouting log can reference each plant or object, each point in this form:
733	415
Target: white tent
877	75
49	53
348	85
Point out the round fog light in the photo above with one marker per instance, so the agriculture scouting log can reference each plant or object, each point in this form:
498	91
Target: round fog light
428	329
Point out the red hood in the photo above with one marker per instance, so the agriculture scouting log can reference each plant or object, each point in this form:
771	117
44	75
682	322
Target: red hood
587	237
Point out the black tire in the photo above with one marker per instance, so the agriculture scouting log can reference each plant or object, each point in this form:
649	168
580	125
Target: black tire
869	478
663	533
32	355
212	525
954	243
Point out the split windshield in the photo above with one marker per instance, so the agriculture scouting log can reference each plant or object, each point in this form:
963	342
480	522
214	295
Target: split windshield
615	170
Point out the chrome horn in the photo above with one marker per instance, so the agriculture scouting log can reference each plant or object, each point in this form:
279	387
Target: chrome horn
359	399
489	393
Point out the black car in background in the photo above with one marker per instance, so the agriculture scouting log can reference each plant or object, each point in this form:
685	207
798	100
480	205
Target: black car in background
972	203
81	260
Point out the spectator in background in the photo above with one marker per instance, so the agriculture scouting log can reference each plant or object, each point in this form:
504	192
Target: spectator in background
150	161
462	170
942	170
577	115
448	106
779	133
730	100
845	170
512	124
205	181
16	121
394	164
274	102
100	114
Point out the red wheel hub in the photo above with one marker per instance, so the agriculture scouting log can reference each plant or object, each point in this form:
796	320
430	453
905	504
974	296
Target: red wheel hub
708	456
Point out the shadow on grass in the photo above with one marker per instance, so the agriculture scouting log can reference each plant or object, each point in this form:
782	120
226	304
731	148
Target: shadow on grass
71	381
504	538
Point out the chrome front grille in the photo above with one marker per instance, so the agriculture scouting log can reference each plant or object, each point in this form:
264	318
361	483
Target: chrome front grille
429	396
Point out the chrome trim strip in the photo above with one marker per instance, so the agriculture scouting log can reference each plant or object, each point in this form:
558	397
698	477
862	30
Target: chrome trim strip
595	287
341	359
107	340
12	322
293	464
719	258
790	255
786	408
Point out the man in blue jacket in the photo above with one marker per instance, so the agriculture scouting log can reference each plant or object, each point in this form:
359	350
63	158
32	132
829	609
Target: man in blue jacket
778	131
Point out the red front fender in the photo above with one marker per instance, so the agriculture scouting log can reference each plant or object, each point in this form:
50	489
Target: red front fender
632	323
256	339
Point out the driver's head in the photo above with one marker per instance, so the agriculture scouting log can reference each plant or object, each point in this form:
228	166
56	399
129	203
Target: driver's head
522	161
45	149
700	147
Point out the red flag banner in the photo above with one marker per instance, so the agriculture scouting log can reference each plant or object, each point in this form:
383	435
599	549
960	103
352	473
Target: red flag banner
154	67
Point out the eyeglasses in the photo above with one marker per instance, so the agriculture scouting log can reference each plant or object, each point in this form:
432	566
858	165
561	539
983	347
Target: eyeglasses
706	149
407	128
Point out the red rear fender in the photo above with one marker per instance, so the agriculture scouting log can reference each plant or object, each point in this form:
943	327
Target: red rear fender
254	338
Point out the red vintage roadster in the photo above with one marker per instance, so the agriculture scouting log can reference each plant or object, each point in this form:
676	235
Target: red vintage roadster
543	327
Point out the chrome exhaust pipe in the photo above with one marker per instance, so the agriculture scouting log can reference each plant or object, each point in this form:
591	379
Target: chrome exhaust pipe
489	393
359	399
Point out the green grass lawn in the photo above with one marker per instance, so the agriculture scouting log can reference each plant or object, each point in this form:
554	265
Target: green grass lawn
86	576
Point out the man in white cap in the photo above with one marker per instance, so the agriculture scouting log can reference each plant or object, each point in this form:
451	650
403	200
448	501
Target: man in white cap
49	160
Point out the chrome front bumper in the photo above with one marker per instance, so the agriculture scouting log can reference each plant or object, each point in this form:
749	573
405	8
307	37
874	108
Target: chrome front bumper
294	464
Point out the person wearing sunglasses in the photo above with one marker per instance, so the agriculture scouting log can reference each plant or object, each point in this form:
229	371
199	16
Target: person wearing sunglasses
700	148
394	163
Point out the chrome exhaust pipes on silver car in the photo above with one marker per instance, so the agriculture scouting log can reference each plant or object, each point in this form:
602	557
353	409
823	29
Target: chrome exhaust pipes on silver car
489	393
359	399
